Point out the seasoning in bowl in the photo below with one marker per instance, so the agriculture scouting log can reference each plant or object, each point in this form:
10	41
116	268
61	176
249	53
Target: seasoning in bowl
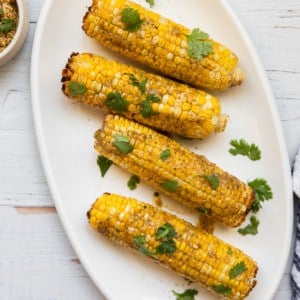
8	22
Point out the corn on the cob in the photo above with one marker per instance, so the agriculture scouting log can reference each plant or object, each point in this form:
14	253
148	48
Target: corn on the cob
196	255
161	44
178	108
182	175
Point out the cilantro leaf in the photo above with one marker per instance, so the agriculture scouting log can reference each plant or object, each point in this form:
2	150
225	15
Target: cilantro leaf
188	294
166	231
123	143
250	228
151	2
152	98
76	88
170	185
262	192
133	182
198	45
116	102
104	164
244	148
213	180
131	19
7	25
141	85
139	242
229	251
238	269
222	289
204	210
166	247
146	109
165	154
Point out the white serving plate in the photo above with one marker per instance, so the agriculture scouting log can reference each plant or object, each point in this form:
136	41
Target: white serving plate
65	130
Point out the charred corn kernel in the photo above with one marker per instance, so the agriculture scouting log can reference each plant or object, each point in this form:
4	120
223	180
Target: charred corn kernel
101	77
164	43
198	255
182	176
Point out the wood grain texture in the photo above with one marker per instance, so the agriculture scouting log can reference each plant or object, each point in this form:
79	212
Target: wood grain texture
36	259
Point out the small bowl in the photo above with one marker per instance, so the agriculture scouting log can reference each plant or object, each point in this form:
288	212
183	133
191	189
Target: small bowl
15	45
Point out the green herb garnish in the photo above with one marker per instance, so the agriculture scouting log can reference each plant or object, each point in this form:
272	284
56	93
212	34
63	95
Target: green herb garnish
188	294
146	109
204	210
244	148
104	164
151	2
198	45
262	192
76	88
116	102
170	185
152	98
123	143
1	11
229	251
222	289
165	234
139	242
141	85
238	269
250	228
133	182
165	154
213	180
131	19
7	25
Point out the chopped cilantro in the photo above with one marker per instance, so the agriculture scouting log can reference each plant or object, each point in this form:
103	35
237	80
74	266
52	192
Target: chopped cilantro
104	164
152	98
146	109
141	85
188	294
250	228
151	2
165	231
133	182
131	19
170	185
165	154
213	180
7	25
76	88
262	192
229	251
198	45
244	148
139	242
116	102
1	11
238	269
123	143
222	289
204	210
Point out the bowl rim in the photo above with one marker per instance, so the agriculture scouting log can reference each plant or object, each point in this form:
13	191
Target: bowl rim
19	36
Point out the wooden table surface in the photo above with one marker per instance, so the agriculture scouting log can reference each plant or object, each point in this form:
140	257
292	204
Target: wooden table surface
36	258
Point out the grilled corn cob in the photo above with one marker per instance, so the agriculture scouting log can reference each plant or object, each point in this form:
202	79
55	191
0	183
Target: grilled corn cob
195	254
176	108
161	44
173	170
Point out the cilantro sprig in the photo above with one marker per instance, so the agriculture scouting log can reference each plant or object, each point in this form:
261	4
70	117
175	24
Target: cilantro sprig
103	164
116	102
150	2
213	180
133	182
165	154
170	185
165	234
188	294
242	147
222	289
131	19
262	191
198	44
251	228
77	88
141	85
123	143
7	25
238	269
